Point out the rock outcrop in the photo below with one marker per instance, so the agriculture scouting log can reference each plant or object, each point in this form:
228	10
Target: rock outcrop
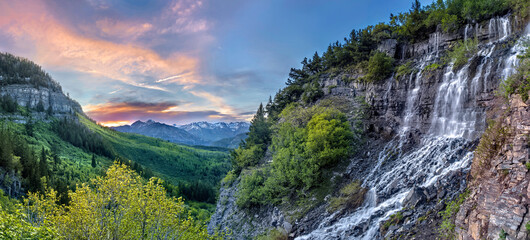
500	186
53	101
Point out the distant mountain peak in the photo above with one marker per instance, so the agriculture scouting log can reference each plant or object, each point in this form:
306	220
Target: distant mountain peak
196	133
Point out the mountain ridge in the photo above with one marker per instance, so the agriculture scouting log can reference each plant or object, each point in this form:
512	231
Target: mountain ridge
219	134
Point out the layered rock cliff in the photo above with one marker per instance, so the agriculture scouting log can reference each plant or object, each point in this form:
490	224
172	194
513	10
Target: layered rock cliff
499	190
53	101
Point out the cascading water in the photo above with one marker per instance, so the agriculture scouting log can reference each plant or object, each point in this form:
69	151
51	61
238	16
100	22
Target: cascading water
499	28
451	118
441	152
466	30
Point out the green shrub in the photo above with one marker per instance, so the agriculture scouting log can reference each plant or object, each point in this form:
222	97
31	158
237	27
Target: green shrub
502	234
447	228
351	196
432	67
521	8
312	91
306	142
491	141
379	67
230	177
300	152
404	69
393	220
251	191
274	234
461	52
248	157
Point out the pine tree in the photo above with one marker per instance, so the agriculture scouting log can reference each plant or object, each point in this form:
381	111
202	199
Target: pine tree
94	161
259	132
43	163
6	150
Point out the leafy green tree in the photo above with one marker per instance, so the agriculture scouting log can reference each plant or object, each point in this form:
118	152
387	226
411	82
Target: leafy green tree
7	104
306	142
29	127
118	206
251	192
380	66
13	225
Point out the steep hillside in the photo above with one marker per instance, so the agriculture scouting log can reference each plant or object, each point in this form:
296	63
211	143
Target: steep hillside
414	94
230	142
178	164
29	86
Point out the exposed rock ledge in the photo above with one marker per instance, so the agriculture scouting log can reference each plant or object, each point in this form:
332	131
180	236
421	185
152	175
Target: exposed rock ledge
500	188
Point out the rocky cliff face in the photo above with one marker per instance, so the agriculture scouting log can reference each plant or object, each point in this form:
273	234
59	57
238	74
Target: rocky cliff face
422	131
500	190
30	96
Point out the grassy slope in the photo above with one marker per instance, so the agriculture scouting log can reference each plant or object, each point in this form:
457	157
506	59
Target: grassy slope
168	160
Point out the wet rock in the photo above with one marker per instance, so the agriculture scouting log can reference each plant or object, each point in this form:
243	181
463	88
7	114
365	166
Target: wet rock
413	198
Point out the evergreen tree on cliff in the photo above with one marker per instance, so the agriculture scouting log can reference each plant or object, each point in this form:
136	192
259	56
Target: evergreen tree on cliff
259	131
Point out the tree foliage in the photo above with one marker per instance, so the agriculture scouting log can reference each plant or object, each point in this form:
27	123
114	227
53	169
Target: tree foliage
17	70
80	136
120	205
380	66
19	159
305	143
8	104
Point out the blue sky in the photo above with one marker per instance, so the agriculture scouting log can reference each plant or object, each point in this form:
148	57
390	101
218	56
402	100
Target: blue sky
178	61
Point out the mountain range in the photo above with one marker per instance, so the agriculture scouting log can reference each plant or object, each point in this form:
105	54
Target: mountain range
219	134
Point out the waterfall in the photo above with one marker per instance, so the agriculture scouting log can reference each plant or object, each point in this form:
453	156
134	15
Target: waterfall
412	96
468	27
451	118
499	28
512	61
441	152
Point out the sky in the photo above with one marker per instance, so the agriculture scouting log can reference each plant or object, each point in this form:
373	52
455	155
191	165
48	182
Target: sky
178	61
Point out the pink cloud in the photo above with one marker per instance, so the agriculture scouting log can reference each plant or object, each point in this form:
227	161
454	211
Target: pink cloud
57	46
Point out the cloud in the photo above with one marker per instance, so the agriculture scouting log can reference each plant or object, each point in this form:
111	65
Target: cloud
120	113
215	100
122	29
59	47
108	50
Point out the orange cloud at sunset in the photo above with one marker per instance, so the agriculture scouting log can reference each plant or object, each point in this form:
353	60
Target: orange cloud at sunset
57	46
121	113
